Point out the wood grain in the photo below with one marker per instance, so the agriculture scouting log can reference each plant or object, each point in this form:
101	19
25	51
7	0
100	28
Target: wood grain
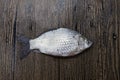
98	20
7	39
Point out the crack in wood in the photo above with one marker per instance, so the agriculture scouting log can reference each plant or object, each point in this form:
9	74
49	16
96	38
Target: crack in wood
14	42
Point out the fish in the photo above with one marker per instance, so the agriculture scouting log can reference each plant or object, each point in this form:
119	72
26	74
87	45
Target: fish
62	42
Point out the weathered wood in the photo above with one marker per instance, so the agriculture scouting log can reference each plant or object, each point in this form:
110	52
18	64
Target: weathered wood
96	19
7	39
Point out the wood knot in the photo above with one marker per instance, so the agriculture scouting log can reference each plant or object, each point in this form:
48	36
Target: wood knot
92	24
114	36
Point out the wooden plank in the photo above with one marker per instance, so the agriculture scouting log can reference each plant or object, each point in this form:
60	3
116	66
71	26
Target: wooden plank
83	66
32	19
96	19
46	17
7	21
24	69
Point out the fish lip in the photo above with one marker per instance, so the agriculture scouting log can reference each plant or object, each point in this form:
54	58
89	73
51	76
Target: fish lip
90	43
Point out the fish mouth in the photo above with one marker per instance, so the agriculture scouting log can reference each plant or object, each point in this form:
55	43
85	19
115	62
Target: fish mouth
90	43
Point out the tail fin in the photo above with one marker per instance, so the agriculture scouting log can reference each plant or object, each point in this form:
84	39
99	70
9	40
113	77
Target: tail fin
26	46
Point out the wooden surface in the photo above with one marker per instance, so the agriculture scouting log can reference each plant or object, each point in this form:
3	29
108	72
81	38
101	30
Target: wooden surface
98	20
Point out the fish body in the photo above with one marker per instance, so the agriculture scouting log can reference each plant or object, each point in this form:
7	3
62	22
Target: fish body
62	42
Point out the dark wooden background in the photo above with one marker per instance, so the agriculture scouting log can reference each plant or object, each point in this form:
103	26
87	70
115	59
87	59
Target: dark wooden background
98	20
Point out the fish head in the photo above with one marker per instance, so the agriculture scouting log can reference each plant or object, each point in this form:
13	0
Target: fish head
88	43
83	42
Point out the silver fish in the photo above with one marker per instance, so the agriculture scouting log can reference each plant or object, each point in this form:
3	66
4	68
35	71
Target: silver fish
59	42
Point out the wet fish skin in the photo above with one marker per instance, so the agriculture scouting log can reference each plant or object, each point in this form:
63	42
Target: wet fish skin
62	42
